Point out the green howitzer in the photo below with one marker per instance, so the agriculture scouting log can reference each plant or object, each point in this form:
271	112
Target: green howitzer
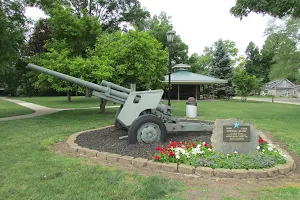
140	112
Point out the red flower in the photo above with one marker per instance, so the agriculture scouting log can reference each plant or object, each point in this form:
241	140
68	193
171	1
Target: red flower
210	147
193	144
205	144
187	147
163	150
171	154
157	158
182	142
261	141
157	148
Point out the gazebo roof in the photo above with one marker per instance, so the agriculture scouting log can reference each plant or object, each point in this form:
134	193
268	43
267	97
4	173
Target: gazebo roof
183	76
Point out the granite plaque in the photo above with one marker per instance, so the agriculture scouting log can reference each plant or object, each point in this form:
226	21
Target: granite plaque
234	136
238	134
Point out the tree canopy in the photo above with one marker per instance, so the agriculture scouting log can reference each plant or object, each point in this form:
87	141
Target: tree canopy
275	8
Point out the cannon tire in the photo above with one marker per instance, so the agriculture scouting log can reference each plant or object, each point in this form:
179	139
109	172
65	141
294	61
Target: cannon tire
145	123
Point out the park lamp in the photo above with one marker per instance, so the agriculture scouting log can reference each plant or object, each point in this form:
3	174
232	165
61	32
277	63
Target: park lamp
170	37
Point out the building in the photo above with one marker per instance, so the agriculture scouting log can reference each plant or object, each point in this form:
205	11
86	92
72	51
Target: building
185	84
282	87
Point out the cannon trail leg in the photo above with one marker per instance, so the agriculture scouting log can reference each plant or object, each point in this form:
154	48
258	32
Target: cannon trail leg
147	129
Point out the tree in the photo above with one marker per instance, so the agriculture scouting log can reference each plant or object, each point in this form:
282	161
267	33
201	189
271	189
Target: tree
112	14
78	32
12	29
252	65
199	64
136	57
220	67
245	83
158	27
37	41
281	50
275	8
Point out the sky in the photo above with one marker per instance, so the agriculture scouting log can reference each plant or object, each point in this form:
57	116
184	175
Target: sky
202	22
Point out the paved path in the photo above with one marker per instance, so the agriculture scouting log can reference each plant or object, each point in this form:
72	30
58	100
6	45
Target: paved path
294	101
39	110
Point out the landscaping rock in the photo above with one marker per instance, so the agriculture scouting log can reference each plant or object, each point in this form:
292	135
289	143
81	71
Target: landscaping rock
240	173
223	173
126	160
186	169
257	173
113	158
204	171
169	167
153	165
139	162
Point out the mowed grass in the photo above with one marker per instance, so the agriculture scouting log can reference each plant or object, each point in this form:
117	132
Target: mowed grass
8	109
28	170
61	101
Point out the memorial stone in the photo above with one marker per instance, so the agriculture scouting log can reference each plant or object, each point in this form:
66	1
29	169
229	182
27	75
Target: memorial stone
233	135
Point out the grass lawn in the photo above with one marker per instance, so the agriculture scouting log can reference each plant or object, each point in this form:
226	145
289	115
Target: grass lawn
61	101
28	170
8	109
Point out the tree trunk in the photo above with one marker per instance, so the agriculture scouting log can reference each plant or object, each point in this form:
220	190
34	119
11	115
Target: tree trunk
88	93
69	96
102	105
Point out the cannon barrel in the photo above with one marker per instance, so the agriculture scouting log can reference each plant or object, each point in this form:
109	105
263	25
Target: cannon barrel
123	94
114	86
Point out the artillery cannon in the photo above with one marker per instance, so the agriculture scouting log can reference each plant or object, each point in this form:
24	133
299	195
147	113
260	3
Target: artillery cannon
140	112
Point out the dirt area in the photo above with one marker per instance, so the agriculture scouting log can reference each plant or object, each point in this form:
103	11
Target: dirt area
107	140
196	188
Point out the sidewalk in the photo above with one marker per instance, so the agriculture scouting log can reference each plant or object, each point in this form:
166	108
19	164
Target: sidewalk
294	101
39	110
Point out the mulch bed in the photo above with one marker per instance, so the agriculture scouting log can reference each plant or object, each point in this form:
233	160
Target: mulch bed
107	140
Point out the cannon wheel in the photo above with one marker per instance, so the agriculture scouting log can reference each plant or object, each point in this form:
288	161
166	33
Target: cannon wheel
147	129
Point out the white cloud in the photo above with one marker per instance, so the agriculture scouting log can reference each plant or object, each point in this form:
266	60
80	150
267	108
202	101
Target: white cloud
202	22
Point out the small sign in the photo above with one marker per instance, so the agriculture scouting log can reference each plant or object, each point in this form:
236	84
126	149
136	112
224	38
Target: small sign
236	133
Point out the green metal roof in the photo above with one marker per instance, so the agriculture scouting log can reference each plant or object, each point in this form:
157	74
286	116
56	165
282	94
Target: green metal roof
182	76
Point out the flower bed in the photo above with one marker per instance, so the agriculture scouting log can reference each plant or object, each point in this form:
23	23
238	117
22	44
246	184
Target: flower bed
203	154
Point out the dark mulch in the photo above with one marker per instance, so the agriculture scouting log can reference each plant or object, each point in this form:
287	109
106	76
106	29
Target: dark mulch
107	140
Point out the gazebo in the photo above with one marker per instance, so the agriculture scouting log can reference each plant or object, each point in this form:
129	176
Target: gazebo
186	84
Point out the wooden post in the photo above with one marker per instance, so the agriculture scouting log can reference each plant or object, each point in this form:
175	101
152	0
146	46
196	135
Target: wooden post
133	87
178	92
196	93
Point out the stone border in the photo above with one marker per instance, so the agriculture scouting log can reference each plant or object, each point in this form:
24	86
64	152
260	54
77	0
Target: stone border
207	172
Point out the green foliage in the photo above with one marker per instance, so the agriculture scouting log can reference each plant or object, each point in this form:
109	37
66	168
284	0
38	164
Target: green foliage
158	26
245	83
220	67
199	64
136	57
281	52
78	32
12	28
37	41
278	8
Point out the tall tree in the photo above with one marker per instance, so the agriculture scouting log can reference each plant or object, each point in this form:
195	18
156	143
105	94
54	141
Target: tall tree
282	45
252	66
136	57
112	14
275	8
12	29
37	41
158	26
220	67
78	32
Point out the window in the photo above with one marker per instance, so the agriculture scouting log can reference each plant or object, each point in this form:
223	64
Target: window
294	92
